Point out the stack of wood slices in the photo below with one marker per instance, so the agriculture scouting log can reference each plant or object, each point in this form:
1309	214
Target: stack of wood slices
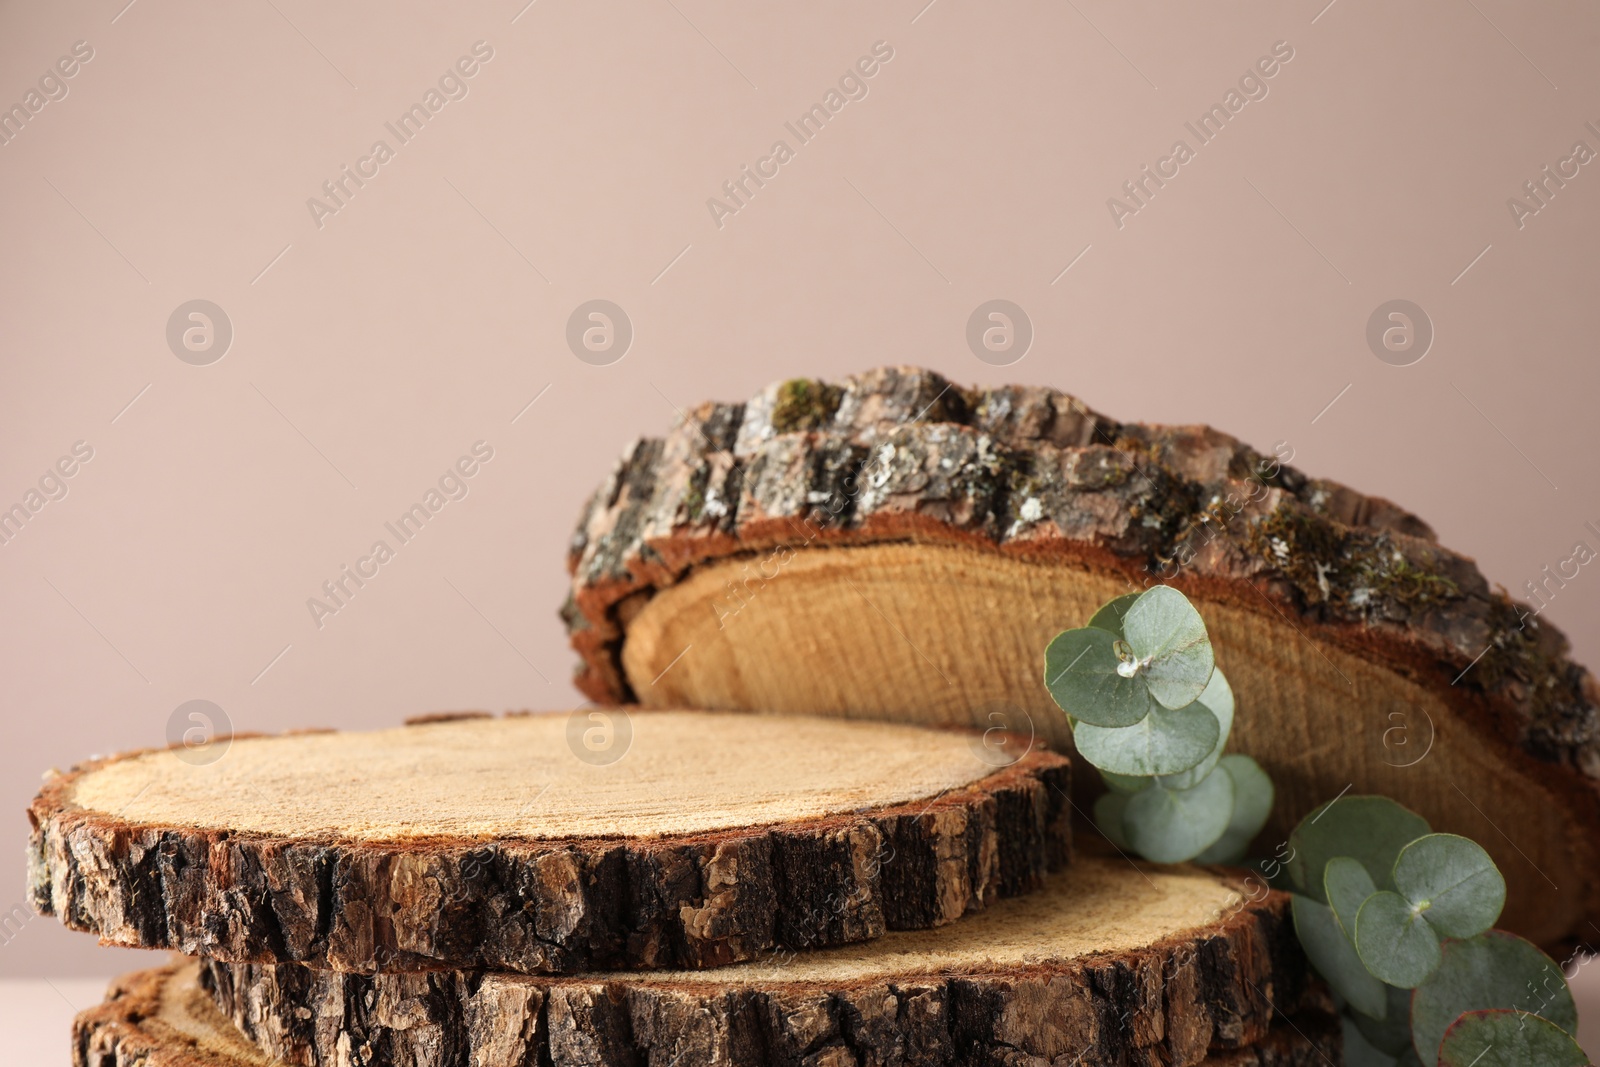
820	812
712	888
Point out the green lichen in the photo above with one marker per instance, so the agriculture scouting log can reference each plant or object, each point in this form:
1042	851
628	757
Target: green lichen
694	501
1348	569
1514	652
1171	502
1100	469
805	404
1529	661
1403	581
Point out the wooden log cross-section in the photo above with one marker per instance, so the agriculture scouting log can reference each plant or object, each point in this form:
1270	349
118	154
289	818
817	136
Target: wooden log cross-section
893	546
1108	964
494	843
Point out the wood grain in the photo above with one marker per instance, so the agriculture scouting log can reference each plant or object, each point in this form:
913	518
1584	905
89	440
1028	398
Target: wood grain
717	838
894	546
1109	964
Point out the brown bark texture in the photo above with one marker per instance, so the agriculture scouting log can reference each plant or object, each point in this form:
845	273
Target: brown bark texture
161	1018
559	906
1030	473
1210	995
902	454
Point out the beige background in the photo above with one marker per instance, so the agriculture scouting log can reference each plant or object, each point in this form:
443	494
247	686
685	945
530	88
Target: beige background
369	353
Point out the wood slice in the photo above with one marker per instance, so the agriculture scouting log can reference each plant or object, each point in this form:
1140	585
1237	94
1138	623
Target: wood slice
892	546
161	1018
490	843
1109	964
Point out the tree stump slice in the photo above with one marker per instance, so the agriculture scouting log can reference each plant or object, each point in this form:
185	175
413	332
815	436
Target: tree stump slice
489	843
161	1017
891	546
1109	964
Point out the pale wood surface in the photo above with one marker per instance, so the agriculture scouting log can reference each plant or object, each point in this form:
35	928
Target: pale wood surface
490	843
517	778
892	545
917	626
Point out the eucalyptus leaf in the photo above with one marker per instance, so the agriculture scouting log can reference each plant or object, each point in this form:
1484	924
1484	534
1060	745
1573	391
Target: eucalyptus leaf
1395	941
1081	672
1493	970
1347	886
1335	957
1217	697
1109	617
1504	1038
1359	1052
1392	1033
1454	880
1252	805
1165	741
1370	829
1124	783
1173	825
1108	812
1169	638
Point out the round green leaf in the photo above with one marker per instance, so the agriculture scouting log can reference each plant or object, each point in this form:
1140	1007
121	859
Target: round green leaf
1454	881
1169	638
1173	825
1347	886
1163	742
1123	783
1080	670
1370	829
1504	1038
1392	1033
1359	1052
1109	617
1334	957
1108	811
1252	793
1252	804
1493	970
1395	941
1217	697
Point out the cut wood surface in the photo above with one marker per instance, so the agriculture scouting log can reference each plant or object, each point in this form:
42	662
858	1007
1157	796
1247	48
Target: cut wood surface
490	842
1108	964
161	1018
891	546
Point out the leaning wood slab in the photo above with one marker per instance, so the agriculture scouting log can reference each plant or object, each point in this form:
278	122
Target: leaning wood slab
490	843
893	546
1109	964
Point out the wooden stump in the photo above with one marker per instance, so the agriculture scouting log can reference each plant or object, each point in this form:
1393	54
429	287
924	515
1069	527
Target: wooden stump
490	843
891	546
1109	964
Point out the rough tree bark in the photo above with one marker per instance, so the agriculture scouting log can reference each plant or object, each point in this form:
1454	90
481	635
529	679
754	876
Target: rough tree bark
510	901
972	993
780	534
163	1018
